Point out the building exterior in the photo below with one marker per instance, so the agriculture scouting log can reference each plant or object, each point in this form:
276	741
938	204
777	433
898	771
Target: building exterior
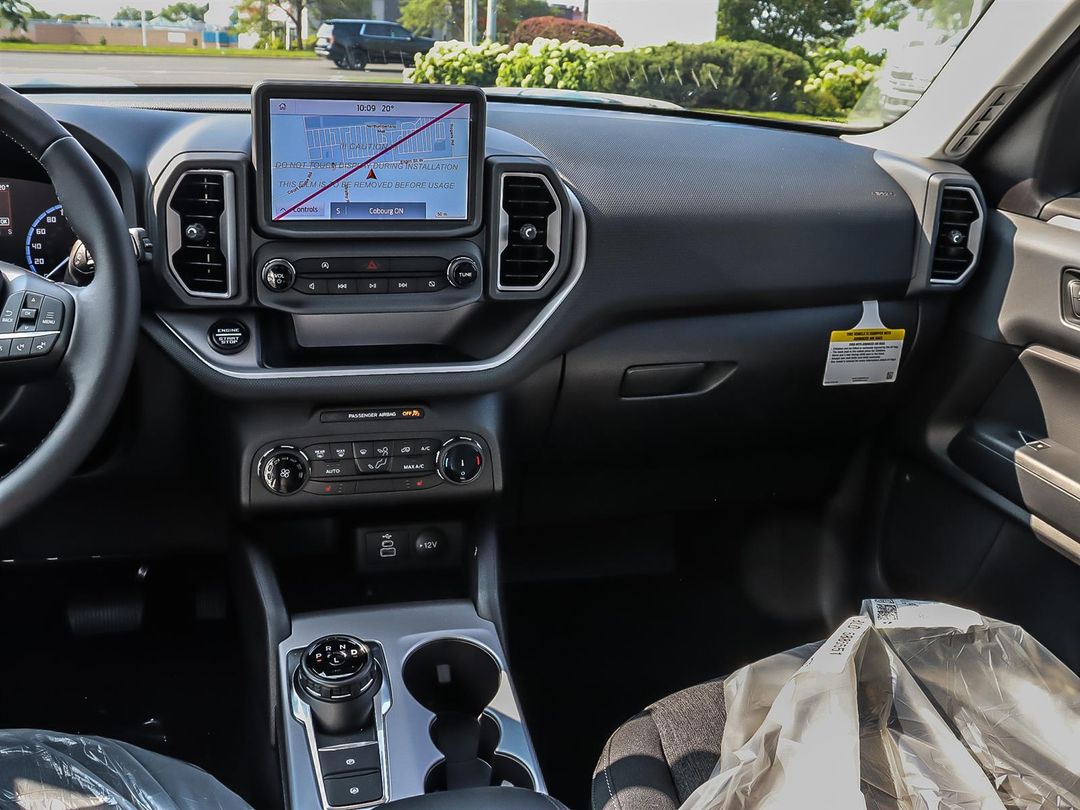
159	34
645	22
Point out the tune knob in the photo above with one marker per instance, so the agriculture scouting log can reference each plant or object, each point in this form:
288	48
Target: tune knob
462	272
283	470
460	460
278	275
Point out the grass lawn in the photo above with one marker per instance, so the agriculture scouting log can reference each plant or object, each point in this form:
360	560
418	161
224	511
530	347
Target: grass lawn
137	50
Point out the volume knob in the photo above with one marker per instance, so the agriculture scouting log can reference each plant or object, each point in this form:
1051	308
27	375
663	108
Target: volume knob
278	275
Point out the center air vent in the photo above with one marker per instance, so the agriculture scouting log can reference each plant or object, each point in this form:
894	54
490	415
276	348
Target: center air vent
201	233
956	243
529	232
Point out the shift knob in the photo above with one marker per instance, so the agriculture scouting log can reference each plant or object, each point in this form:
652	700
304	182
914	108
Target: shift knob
339	677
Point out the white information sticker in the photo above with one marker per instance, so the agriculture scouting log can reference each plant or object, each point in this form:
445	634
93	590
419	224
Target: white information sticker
867	353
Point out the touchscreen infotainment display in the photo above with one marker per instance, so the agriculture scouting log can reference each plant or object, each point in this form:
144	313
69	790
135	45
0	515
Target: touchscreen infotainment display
341	160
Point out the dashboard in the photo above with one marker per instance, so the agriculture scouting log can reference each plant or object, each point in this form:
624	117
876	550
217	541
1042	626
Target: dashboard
389	291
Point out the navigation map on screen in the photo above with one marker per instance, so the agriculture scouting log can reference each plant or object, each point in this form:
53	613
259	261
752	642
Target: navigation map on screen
337	159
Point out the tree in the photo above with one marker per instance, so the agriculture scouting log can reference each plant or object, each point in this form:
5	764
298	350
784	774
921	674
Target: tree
339	9
431	17
131	13
13	14
949	16
795	25
294	10
183	11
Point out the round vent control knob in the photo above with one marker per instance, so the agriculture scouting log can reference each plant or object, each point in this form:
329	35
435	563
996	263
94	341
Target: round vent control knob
195	232
528	232
284	470
278	275
460	460
462	272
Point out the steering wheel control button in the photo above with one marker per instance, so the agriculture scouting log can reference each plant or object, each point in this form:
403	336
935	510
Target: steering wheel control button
283	470
228	336
51	315
33	300
460	460
278	275
462	272
42	344
9	316
5	349
20	347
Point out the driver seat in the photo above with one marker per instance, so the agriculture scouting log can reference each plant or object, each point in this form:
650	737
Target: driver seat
45	770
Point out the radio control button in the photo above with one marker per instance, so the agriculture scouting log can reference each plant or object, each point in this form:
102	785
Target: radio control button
433	284
403	285
311	286
341	286
367	286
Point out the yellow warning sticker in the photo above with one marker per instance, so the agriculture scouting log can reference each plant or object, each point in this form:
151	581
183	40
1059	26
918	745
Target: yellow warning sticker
866	354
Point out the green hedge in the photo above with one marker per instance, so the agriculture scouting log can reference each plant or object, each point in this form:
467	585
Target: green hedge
722	74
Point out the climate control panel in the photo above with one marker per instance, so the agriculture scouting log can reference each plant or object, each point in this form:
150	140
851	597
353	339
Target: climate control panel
362	465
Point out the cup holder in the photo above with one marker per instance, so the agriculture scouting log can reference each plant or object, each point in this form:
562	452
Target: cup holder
456	680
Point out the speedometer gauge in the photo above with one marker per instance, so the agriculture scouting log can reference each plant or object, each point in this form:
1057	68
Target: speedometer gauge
48	243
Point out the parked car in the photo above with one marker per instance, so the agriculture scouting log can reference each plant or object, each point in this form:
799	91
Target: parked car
354	44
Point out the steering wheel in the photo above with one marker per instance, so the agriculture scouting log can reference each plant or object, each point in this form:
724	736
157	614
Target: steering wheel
85	336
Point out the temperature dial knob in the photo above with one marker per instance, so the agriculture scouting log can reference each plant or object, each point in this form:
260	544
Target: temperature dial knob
283	470
460	460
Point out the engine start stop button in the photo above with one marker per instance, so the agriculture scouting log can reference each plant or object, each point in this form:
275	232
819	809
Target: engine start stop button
228	336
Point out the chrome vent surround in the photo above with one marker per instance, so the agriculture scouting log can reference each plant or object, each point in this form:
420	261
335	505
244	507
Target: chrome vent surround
957	234
206	199
528	205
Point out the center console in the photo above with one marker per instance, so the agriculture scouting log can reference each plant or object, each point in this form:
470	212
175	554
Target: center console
400	701
352	274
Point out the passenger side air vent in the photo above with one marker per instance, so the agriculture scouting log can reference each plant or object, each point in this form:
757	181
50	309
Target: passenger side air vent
201	233
530	222
959	219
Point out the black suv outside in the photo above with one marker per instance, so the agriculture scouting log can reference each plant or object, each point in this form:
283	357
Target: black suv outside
354	44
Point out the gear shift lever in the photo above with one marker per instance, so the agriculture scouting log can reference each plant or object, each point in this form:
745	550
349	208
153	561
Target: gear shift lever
339	677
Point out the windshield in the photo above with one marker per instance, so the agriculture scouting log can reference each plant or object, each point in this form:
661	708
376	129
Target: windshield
860	63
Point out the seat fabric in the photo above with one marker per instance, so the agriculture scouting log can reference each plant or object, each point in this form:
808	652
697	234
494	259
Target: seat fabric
44	770
659	757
